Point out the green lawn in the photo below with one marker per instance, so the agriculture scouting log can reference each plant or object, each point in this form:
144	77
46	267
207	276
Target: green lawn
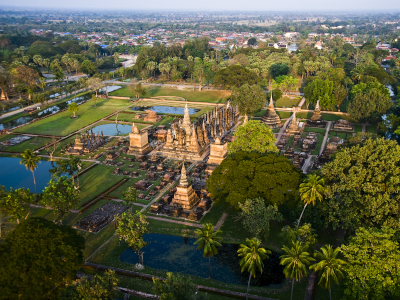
284	114
311	129
32	144
95	181
61	124
304	115
333	117
215	96
371	129
319	144
287	102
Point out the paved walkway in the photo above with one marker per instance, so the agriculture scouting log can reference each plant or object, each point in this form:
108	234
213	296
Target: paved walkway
306	163
220	221
328	127
282	130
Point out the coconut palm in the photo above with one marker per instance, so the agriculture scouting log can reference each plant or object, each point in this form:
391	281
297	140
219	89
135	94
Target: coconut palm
311	191
252	258
295	261
330	267
30	160
73	107
208	241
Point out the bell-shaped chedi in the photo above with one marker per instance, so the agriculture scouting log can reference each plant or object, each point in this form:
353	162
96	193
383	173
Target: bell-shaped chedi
271	118
316	119
185	196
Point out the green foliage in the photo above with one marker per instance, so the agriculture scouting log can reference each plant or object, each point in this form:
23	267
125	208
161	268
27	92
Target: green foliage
244	176
131	228
38	258
248	98
322	91
252	256
329	268
252	41
30	160
373	267
276	94
279	69
296	259
363	183
208	241
253	136
98	287
303	234
176	287
369	105
235	76
256	216
130	195
73	107
16	203
88	67
60	195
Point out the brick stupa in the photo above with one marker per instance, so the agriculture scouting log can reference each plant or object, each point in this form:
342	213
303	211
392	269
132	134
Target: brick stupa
271	118
138	141
185	196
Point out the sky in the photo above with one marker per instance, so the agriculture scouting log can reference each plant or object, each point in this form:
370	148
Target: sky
212	5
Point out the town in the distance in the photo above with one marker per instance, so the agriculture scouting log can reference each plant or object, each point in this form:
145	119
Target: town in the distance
199	155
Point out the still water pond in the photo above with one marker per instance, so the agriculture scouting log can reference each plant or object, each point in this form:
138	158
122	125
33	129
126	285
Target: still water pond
15	175
178	254
112	129
166	109
48	111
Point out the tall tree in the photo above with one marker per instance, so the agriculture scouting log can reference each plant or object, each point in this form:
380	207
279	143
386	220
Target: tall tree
330	267
252	258
256	216
311	190
208	241
73	107
253	136
248	98
16	203
38	258
131	228
30	160
60	195
296	259
362	183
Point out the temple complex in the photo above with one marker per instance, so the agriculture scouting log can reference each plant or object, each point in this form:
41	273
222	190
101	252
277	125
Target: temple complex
138	141
271	118
316	119
86	143
192	140
295	126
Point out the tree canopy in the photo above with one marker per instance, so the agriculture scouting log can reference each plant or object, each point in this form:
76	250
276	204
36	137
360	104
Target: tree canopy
362	185
248	98
38	258
252	175
235	76
253	136
373	267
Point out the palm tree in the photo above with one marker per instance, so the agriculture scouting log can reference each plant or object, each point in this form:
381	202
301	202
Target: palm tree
252	258
73	107
329	267
30	160
295	261
208	241
311	191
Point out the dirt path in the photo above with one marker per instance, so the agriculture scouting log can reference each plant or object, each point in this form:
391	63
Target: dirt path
306	163
325	137
220	221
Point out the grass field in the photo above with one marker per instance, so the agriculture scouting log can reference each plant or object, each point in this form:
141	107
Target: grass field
61	124
284	114
287	102
215	96
95	181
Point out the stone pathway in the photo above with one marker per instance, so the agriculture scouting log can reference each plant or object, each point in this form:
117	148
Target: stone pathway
220	221
364	127
325	137
282	130
175	221
306	163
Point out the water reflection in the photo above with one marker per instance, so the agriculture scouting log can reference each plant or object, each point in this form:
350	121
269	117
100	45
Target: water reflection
166	109
113	129
178	254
